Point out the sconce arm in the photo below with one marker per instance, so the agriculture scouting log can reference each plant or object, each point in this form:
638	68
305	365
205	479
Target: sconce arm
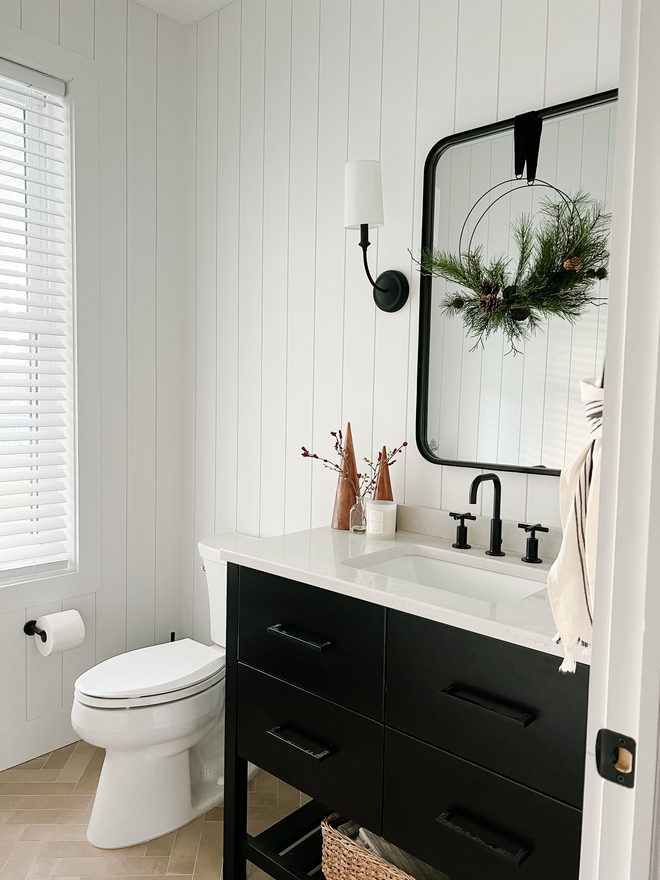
364	244
392	292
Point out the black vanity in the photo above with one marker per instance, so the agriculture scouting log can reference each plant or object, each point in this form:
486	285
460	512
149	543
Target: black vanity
464	750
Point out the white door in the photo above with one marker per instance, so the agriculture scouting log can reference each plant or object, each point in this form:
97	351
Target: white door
619	823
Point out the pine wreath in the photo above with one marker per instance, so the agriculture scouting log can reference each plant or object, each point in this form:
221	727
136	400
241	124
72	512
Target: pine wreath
559	262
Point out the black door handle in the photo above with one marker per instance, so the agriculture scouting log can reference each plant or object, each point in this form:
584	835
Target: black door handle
514	852
300	742
481	701
292	634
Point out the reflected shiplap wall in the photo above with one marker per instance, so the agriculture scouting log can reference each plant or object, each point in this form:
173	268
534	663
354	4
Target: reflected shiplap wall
288	343
143	85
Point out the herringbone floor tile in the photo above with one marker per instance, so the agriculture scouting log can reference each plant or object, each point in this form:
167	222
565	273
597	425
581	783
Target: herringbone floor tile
44	810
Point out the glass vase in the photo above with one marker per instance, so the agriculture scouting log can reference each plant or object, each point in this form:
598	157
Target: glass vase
357	518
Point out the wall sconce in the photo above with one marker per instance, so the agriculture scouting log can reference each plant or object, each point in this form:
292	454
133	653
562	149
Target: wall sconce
363	208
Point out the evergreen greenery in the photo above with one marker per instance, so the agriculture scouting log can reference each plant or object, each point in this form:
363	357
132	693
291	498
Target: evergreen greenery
559	262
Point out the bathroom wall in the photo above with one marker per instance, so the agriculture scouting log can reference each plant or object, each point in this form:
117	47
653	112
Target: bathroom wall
143	90
236	322
288	343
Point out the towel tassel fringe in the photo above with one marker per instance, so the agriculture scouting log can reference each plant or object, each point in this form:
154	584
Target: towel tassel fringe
569	663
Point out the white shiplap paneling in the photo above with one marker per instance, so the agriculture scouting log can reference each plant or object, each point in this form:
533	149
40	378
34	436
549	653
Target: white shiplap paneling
13	655
175	186
573	34
206	212
329	302
373	79
110	51
301	255
478	62
77	26
141	325
275	262
229	122
438	46
364	142
392	331
44	674
144	511
297	347
522	56
250	278
10	12
41	18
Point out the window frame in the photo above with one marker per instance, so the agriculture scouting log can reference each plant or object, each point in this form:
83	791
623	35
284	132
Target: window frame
79	73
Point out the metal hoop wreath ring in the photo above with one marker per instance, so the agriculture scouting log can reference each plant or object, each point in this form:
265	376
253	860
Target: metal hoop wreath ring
543	183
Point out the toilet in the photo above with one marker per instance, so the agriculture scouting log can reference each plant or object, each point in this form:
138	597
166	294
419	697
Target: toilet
159	714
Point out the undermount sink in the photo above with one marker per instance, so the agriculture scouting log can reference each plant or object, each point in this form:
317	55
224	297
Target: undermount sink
480	578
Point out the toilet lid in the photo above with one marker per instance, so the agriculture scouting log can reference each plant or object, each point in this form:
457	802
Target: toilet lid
159	669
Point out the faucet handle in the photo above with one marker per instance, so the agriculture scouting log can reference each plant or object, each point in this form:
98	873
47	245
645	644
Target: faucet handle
532	553
537	527
461	530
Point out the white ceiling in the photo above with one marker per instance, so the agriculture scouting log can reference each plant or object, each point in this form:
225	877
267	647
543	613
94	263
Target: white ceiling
184	11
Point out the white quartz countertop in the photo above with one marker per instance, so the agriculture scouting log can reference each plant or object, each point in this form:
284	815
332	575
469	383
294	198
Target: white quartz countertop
317	557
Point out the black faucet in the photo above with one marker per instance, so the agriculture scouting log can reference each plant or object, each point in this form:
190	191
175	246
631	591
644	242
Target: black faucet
496	522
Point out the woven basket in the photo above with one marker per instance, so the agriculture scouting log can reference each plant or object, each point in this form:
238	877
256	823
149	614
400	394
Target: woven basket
345	859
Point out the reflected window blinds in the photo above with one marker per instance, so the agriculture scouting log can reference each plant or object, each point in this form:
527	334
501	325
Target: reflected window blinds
37	464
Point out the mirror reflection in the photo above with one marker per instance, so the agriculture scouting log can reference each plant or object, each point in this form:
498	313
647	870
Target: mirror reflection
488	405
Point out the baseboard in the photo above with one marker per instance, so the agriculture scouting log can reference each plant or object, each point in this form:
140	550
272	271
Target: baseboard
22	742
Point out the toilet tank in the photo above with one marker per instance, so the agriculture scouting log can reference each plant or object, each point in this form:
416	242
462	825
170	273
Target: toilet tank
216	583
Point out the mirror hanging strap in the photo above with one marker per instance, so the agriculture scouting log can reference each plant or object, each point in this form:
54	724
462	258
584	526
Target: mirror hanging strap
526	142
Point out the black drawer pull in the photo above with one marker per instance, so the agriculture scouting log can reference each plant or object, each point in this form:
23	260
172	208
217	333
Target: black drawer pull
511	851
300	638
480	701
300	742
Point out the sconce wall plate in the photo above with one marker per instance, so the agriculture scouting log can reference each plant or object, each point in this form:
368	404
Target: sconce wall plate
391	291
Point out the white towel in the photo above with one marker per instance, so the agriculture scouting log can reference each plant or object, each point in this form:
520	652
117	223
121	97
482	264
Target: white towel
571	578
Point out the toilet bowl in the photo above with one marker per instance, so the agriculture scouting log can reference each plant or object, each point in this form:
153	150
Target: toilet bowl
159	714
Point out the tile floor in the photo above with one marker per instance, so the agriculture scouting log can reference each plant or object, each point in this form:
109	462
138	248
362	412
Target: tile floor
45	806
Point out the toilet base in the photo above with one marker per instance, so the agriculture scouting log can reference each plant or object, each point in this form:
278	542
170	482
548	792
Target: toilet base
145	794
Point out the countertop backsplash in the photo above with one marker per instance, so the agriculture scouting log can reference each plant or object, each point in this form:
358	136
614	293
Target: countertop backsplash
438	523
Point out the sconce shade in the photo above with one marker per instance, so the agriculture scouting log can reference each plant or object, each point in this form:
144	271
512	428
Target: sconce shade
363	194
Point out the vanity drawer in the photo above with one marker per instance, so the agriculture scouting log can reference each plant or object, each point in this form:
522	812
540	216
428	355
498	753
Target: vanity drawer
331	645
471	823
332	754
502	706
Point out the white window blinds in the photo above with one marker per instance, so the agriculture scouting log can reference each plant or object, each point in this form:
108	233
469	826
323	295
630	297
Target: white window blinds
37	516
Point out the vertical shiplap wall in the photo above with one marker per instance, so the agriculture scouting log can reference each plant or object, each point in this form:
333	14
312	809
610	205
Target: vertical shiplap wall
146	82
288	343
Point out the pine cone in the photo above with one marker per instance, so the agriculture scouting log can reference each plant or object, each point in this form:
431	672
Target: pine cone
573	264
490	300
490	303
489	288
458	303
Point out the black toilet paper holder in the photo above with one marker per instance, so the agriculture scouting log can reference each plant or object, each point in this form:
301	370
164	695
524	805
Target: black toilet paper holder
31	629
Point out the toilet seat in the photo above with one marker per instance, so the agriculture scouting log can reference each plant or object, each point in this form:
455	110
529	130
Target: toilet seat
150	676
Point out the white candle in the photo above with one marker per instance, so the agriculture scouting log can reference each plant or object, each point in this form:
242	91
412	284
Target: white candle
381	519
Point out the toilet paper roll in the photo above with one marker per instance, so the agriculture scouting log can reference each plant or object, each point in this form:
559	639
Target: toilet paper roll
64	630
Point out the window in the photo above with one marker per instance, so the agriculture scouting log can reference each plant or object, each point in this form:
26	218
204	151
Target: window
37	395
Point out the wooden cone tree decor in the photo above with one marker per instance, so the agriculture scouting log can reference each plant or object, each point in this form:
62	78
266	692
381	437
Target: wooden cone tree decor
347	483
374	478
383	490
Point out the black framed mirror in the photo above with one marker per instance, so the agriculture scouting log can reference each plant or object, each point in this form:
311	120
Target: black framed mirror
487	407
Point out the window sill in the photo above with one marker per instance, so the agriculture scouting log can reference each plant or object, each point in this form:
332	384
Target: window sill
46	588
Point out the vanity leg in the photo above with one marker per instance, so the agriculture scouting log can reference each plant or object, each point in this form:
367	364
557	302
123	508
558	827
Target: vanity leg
236	779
